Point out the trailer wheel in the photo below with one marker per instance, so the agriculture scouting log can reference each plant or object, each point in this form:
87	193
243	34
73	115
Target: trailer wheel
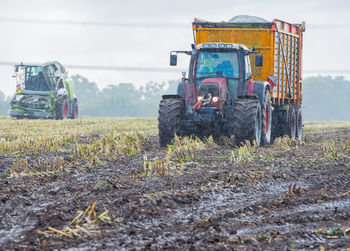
247	121
291	124
61	109
266	119
299	124
169	118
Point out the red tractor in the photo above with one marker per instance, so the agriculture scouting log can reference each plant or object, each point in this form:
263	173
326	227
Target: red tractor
219	98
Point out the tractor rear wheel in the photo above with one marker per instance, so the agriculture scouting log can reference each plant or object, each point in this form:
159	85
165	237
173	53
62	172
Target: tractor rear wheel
266	119
247	121
291	124
61	109
299	124
169	117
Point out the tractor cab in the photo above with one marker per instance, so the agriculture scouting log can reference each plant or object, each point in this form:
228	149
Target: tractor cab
216	72
220	73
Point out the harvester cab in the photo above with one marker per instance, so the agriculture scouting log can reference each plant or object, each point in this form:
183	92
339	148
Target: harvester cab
31	78
226	95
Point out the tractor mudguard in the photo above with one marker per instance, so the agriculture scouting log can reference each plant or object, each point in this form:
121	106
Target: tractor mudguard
259	90
181	89
170	96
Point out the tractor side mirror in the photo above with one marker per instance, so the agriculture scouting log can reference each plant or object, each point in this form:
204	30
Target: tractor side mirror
259	60
173	60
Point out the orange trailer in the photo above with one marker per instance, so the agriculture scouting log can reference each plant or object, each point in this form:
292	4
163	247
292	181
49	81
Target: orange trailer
280	43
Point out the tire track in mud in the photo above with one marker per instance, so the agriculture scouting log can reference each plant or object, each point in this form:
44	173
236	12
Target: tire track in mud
233	203
238	209
189	211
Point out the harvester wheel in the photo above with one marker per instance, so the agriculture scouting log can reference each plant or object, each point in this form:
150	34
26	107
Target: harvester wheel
169	118
247	121
266	119
62	109
299	124
291	124
75	110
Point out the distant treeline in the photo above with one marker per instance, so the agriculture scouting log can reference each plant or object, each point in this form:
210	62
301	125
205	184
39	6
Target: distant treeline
121	100
324	98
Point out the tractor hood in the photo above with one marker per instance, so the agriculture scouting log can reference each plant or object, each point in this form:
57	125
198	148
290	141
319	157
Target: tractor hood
211	92
222	82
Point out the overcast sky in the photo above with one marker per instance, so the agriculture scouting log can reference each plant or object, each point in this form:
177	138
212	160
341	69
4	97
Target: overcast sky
326	44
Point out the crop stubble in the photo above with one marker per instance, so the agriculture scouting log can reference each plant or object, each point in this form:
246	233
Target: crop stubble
192	195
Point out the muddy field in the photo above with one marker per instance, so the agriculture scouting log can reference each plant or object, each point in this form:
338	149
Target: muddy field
292	195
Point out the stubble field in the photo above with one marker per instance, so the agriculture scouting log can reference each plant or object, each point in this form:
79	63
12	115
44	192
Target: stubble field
94	184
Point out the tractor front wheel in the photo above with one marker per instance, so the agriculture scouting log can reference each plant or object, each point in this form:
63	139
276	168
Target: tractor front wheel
169	117
247	121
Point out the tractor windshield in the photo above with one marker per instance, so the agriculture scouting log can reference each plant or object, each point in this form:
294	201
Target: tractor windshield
34	78
217	64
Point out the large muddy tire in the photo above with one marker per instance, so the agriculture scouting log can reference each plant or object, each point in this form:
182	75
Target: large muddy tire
291	124
228	127
247	121
75	110
61	109
276	129
266	119
299	124
169	117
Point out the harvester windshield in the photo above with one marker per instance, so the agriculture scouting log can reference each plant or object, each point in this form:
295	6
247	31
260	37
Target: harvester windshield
31	78
217	64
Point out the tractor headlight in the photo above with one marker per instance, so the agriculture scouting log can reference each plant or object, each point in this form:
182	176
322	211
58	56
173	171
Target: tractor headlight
215	99
199	98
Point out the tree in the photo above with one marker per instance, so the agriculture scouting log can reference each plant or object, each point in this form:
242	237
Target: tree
4	104
326	98
121	100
